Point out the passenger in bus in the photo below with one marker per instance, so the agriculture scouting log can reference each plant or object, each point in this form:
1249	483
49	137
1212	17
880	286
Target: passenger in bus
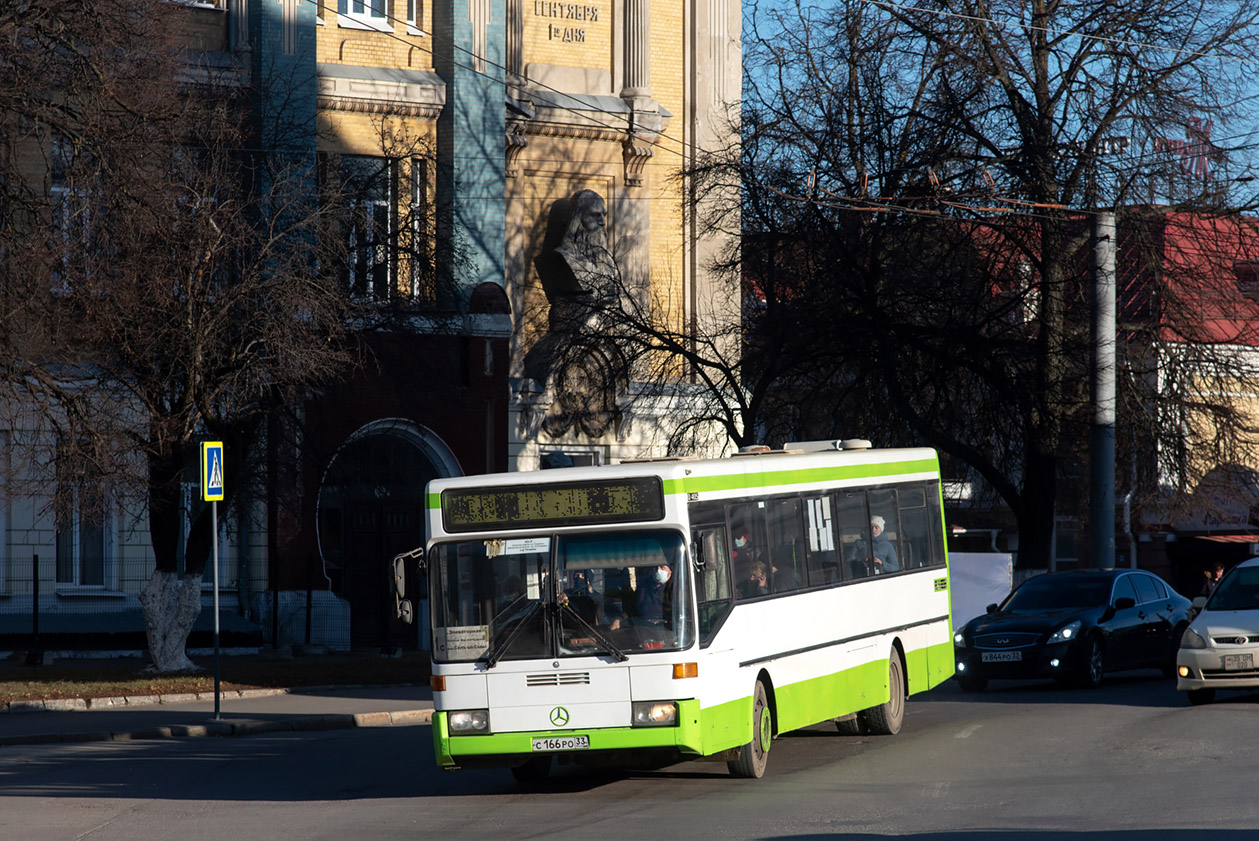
757	582
884	552
653	601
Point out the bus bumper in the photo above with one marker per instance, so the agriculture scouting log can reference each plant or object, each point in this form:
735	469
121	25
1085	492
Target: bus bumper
611	745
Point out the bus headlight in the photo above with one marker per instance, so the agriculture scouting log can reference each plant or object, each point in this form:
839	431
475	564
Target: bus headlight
469	721
655	714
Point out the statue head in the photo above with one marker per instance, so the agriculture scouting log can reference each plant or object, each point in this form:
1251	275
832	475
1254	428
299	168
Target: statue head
586	233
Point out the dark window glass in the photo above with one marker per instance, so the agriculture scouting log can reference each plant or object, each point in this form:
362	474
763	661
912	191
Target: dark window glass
935	525
1145	588
748	555
786	545
885	532
712	581
1124	589
854	533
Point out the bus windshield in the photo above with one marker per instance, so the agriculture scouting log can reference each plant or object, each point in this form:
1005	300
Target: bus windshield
606	593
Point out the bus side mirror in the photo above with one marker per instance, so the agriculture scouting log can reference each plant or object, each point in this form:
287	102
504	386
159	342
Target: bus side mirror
697	552
402	608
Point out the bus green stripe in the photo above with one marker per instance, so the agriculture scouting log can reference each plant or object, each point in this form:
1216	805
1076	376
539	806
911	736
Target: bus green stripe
773	478
728	725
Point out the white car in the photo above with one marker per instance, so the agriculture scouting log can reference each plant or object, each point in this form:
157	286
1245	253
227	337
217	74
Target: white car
1220	649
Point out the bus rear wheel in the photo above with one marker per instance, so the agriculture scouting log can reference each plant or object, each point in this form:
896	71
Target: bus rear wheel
886	719
754	756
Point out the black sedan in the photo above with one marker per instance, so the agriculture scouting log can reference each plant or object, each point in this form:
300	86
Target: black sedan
1074	627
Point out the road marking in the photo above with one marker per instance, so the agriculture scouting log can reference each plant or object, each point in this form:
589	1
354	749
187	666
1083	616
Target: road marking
966	733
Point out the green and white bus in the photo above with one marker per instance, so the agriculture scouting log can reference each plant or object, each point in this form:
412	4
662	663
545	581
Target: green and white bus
648	612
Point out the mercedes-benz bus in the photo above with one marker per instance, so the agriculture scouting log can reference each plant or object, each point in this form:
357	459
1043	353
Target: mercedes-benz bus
644	613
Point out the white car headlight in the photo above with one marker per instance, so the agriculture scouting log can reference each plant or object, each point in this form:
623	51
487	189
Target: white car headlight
1192	639
1066	633
959	639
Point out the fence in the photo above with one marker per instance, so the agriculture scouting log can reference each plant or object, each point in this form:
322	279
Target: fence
47	605
98	612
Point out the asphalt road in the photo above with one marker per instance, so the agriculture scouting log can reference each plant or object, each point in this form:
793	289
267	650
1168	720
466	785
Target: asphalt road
1128	761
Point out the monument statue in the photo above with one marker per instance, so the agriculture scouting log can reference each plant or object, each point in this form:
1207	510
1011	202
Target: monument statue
577	270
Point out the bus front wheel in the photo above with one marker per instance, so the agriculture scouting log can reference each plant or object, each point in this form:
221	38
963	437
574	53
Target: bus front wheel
886	719
755	754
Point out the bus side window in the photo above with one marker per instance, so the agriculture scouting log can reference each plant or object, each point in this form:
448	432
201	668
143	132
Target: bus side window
889	553
747	541
935	526
854	531
820	541
712	582
915	551
786	554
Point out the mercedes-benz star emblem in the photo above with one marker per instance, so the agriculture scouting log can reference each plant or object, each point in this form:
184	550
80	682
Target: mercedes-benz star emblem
559	716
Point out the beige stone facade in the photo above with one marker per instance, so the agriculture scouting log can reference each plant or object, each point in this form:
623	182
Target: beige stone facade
614	96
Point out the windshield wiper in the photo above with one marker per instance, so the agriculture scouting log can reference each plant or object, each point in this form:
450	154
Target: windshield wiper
499	648
617	654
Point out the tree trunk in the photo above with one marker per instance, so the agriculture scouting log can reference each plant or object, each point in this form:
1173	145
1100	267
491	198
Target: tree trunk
170	609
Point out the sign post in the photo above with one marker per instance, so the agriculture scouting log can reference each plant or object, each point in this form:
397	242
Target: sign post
212	492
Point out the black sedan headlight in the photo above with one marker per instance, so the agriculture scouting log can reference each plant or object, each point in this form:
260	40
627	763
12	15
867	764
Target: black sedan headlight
959	639
1066	633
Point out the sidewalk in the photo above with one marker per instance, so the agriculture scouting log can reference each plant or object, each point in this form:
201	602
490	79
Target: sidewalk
241	713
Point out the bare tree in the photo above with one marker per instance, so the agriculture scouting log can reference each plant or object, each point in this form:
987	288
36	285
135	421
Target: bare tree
918	184
199	277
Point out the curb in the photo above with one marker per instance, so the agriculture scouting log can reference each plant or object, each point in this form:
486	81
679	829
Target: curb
72	704
231	727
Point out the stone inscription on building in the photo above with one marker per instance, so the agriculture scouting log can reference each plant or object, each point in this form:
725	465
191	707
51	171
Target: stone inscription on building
566	13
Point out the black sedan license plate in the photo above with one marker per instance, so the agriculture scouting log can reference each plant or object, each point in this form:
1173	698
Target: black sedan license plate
558	743
1001	656
1238	662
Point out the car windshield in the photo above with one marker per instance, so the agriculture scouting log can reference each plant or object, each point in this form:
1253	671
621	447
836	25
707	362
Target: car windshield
1037	595
1239	590
611	593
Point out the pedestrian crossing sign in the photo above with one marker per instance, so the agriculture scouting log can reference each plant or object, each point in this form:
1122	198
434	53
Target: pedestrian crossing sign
211	470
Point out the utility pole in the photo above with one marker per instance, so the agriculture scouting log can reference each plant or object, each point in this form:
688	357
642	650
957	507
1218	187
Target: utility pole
1102	430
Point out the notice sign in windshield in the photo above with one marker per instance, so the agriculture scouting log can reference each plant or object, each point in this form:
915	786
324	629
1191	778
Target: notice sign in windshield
462	642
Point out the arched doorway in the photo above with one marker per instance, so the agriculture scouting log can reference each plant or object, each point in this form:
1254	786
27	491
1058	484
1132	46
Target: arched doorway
370	508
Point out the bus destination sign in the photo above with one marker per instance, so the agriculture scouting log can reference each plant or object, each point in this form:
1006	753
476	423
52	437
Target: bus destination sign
565	504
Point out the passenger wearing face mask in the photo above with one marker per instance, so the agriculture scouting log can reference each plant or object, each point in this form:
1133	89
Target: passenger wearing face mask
653	602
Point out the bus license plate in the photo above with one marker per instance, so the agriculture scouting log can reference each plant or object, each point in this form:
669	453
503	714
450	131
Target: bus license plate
1001	656
1238	662
558	743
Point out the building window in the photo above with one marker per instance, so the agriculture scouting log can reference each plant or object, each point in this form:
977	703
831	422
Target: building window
367	185
85	551
71	210
413	14
370	14
552	458
421	233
